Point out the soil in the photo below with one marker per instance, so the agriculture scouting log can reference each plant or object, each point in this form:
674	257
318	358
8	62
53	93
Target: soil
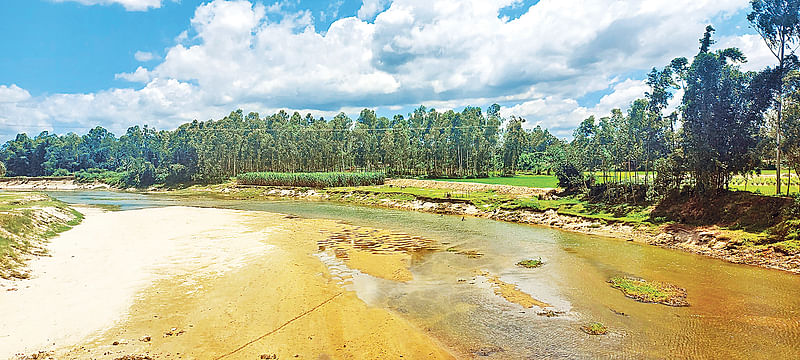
216	284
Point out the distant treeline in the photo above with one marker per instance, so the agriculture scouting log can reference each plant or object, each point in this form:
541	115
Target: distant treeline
426	143
315	180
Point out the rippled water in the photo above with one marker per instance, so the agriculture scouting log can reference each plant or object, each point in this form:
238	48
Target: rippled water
736	311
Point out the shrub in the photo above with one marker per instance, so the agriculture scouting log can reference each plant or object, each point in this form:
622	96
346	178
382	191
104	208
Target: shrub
109	177
570	178
314	180
61	172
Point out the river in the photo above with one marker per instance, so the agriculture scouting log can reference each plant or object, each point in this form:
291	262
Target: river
736	311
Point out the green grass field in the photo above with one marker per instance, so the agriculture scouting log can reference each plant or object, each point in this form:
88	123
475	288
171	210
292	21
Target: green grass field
763	184
534	181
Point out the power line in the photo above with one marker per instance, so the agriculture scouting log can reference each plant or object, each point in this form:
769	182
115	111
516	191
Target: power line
300	129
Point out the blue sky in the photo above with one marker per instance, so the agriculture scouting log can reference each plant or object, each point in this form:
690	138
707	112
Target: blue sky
69	65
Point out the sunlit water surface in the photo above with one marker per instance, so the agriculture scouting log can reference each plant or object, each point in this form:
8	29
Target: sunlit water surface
736	311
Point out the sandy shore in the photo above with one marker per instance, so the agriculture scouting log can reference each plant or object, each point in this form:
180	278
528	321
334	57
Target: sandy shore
196	283
32	184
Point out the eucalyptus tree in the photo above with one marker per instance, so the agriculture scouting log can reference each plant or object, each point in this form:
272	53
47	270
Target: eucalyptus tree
513	143
778	23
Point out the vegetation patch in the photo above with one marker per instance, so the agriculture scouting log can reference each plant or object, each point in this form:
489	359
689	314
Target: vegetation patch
650	291
93	175
531	263
788	247
26	221
312	180
533	181
595	328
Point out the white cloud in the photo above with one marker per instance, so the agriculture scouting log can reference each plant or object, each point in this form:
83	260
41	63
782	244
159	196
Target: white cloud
13	94
141	75
444	53
144	56
370	8
562	115
753	46
130	5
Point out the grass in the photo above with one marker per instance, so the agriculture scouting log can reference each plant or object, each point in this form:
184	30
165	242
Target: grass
531	263
595	328
650	291
789	247
764	184
533	181
21	235
313	180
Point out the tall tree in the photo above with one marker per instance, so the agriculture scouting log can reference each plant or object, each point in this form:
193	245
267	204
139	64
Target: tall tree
778	23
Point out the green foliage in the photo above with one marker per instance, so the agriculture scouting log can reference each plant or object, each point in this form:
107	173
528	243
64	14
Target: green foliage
314	180
649	291
531	263
723	112
789	247
533	181
109	177
139	173
595	328
570	178
61	172
22	233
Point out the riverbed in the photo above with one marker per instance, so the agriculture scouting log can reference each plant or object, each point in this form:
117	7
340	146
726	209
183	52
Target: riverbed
443	285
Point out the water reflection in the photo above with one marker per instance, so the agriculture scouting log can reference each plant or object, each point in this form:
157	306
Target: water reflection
736	311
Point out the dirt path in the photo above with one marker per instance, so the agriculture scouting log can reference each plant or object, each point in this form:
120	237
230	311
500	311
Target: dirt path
191	283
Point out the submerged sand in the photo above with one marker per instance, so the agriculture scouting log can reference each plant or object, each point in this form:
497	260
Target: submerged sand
194	283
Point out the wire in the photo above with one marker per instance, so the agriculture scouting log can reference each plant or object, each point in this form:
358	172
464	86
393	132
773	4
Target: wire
278	328
301	129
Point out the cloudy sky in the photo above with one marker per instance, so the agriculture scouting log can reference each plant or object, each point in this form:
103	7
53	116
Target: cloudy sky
68	65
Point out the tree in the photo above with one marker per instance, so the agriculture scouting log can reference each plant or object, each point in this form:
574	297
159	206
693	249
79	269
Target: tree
513	143
722	111
778	23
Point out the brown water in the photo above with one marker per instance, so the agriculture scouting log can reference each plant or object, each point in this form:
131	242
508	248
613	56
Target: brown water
736	311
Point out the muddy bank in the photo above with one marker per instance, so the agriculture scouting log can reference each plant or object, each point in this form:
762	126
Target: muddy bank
708	241
48	183
193	283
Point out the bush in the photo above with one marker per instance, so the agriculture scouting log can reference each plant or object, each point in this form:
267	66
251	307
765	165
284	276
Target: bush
570	178
315	180
92	175
61	172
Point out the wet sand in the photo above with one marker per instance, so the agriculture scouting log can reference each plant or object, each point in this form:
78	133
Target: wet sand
191	283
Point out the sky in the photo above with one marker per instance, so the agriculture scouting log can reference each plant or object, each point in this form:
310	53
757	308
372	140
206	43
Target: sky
70	65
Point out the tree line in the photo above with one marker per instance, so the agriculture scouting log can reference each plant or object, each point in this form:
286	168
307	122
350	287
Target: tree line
426	143
728	122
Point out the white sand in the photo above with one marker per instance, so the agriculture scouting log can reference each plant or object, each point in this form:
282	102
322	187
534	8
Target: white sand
41	185
98	268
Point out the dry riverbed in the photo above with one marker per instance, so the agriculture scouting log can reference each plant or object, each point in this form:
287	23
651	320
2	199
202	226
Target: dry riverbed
192	283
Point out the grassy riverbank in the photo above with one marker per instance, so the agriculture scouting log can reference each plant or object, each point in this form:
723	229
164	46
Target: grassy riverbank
27	220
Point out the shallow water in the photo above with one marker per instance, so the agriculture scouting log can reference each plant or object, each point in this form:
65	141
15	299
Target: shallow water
736	311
